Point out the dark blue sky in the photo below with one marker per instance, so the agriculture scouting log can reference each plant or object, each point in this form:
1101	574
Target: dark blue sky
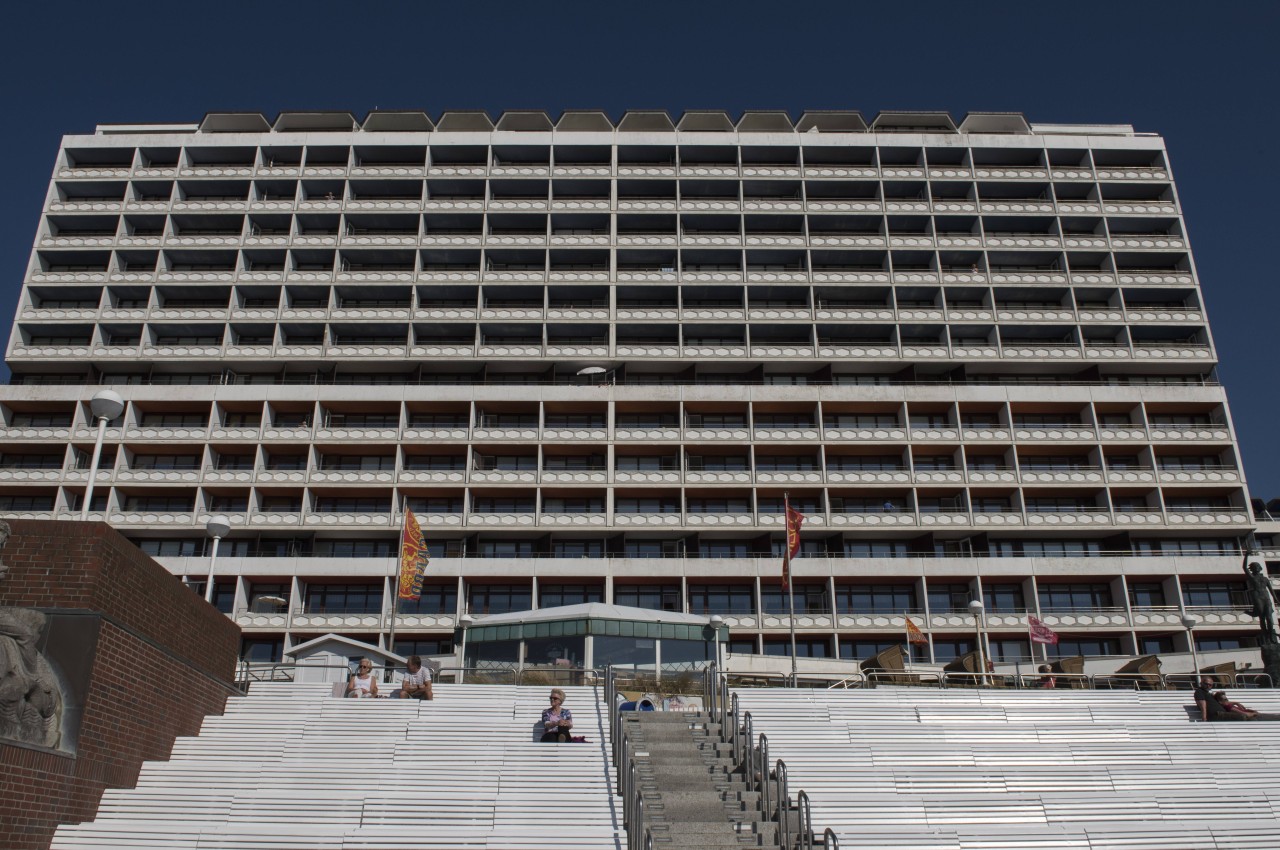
1205	76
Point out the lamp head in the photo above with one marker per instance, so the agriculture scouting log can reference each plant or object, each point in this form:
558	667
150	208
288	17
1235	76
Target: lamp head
217	526
106	404
1188	622
976	607
716	621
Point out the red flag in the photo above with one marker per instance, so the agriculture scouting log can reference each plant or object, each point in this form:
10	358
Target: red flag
1040	633
914	635
413	558
794	521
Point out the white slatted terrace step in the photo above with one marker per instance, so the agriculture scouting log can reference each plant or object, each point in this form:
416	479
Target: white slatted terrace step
970	770
290	767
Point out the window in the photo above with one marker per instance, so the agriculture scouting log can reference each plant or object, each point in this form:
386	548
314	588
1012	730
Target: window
40	420
281	504
362	420
555	595
1057	548
1146	594
721	599
1154	644
224	593
344	598
573	504
141	461
949	598
262	650
575	420
291	419
193	548
498	598
31	461
720	506
860	420
863	464
718	463
438	420
363	463
876	549
573	462
1067	647
805	647
356	548
1008	650
507	549
653	548
863	649
435	599
934	462
810	599
1186	547
577	549
1074	597
163	504
352	504
438	505
1003	598
174	420
228	504
875	598
649	505
1215	594
424	646
723	549
741	646
655	597
647	420
507	462
646	463
503	505
1210	643
929	420
435	462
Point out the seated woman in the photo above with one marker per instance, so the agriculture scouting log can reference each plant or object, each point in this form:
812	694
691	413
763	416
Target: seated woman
556	720
363	684
1237	708
1047	679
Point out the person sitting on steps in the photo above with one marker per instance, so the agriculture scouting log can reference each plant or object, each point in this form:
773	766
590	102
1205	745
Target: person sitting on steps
556	720
363	684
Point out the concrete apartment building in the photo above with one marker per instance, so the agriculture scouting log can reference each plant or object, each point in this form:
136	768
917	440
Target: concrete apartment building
593	355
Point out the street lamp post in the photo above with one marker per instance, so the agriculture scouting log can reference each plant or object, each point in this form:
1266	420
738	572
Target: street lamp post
105	406
716	622
976	609
218	527
1189	623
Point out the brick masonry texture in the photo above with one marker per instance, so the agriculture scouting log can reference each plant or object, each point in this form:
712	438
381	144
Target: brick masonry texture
165	659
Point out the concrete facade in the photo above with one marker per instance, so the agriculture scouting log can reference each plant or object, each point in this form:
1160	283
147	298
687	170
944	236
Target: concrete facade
593	358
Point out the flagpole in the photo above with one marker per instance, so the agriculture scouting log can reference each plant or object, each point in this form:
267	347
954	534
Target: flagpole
395	581
791	584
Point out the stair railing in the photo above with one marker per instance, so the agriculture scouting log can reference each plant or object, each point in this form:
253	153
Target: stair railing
829	840
805	839
763	783
784	803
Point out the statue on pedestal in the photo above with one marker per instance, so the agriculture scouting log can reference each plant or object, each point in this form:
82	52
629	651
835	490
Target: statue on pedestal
1264	606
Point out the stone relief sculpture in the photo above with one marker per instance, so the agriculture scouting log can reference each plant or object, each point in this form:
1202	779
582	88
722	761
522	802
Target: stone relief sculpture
30	693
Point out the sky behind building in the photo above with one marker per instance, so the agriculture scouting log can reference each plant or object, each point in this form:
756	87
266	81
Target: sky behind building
1203	77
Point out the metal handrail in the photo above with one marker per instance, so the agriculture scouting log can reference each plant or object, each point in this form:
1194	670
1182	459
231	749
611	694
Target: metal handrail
763	785
784	803
829	840
805	813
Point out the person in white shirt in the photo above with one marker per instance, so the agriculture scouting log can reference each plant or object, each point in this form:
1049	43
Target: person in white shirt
415	683
363	684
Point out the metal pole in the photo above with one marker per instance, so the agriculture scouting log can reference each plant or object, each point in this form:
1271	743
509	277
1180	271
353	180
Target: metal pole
982	656
213	560
791	604
93	467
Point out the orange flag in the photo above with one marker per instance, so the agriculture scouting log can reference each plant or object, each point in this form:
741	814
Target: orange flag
914	635
794	520
413	558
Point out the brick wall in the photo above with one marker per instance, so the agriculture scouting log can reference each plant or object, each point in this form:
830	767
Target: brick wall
164	660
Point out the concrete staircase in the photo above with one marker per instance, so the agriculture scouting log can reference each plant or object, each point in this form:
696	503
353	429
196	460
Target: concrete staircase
693	795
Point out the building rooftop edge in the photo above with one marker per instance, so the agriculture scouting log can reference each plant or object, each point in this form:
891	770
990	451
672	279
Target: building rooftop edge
643	121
